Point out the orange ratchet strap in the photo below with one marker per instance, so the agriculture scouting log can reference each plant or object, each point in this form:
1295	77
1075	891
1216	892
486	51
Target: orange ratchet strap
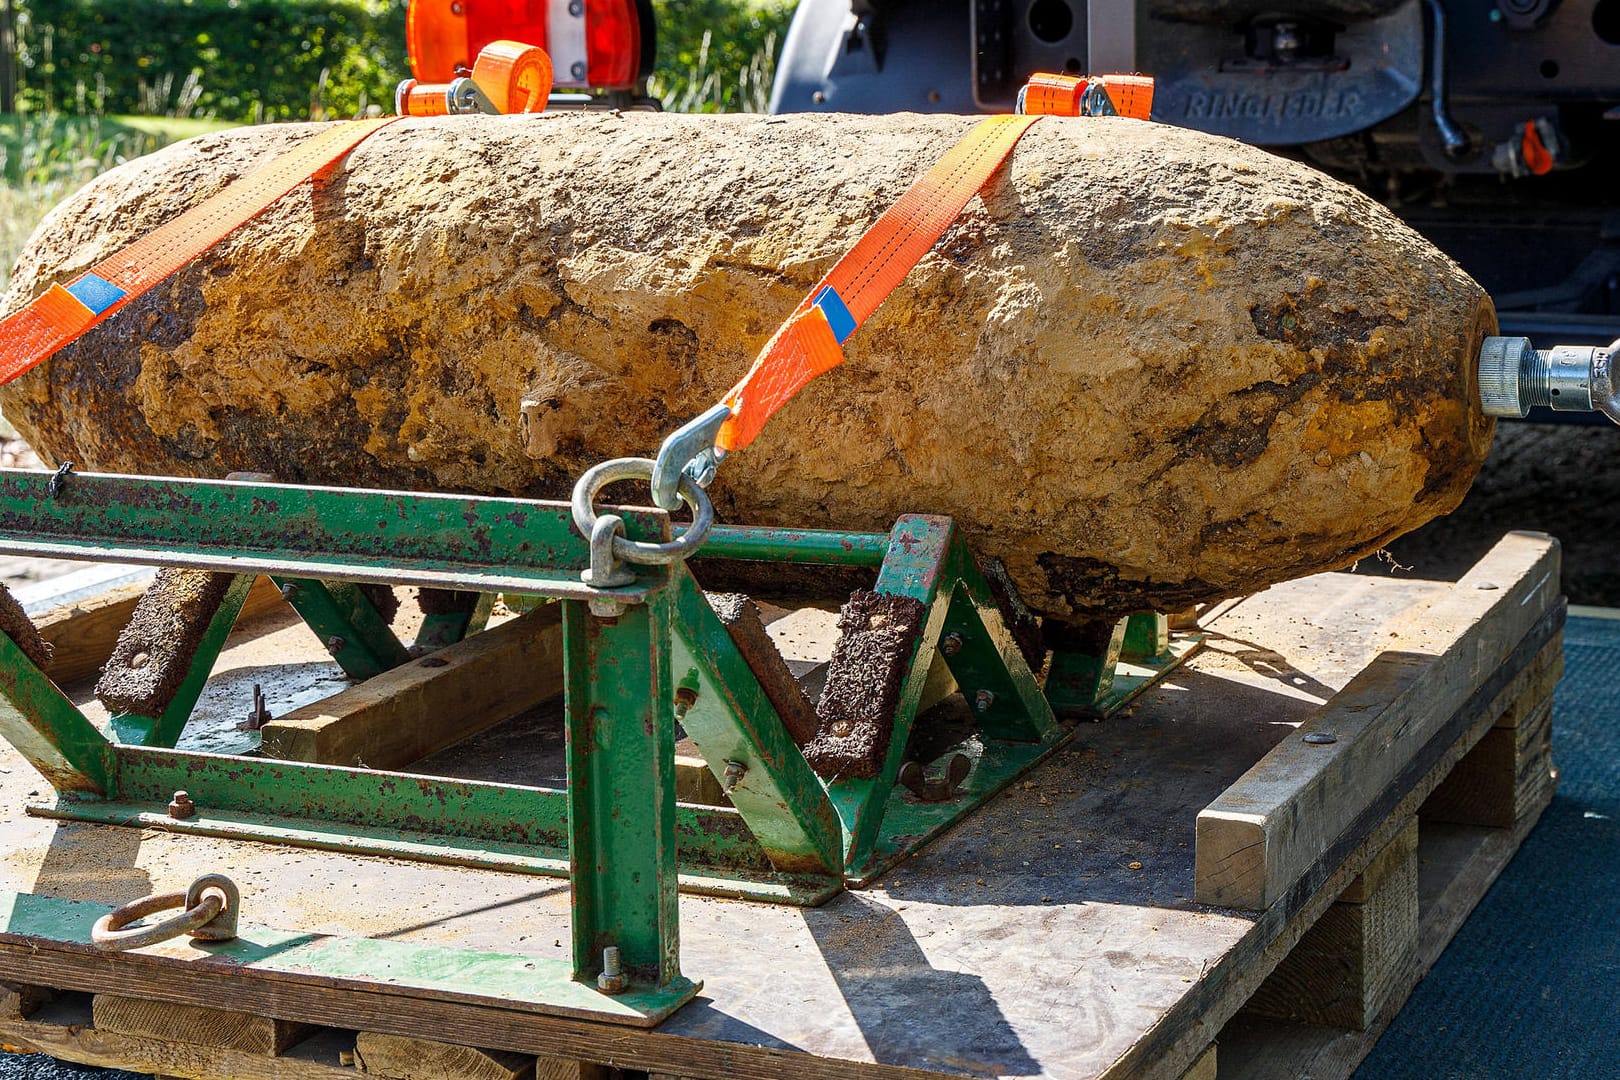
1078	95
512	77
64	312
811	340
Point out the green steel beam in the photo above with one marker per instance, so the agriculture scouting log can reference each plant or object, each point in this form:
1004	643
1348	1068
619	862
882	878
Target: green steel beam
1139	651
472	811
49	730
1135	674
991	673
751	881
817	547
468	810
165	728
348	534
347	623
738	731
443	628
1076	681
621	789
1147	636
302	967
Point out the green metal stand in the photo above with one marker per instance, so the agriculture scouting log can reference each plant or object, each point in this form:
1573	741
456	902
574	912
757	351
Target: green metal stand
616	830
1095	682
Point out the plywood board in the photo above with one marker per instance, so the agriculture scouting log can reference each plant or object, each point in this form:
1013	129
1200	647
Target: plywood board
947	965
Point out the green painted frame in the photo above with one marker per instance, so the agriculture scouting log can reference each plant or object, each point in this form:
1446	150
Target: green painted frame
789	836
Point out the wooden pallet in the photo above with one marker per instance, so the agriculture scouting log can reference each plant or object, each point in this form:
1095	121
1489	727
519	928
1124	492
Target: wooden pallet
1191	890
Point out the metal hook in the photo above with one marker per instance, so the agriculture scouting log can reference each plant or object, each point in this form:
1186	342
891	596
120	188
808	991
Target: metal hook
689	450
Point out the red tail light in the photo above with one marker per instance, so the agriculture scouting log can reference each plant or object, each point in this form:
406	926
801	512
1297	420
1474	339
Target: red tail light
594	44
612	43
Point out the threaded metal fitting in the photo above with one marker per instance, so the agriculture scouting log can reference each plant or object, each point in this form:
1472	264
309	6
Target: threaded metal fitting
1513	376
1503	388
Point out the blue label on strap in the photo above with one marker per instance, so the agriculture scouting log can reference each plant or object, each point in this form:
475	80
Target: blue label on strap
837	313
96	293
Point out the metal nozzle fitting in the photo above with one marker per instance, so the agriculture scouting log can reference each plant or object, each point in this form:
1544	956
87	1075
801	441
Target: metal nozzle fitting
1513	376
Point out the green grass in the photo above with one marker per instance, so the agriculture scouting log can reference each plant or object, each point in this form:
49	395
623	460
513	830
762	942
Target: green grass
44	159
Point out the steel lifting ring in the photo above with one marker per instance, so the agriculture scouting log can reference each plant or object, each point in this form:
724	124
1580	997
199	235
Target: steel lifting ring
211	905
638	551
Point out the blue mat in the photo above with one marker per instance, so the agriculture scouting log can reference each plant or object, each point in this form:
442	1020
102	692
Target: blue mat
1530	987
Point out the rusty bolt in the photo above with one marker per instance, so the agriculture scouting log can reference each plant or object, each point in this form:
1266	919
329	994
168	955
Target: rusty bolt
685	698
335	644
735	770
612	980
983	700
181	807
289	591
952	644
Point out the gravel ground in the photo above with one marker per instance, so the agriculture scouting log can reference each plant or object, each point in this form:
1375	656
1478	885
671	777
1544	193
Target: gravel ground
40	1067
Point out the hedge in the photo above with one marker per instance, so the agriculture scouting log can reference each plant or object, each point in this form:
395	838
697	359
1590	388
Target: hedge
287	59
249	57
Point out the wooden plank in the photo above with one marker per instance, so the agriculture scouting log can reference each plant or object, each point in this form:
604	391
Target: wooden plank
83	634
1346	966
226	1028
1257	839
403	1058
420	708
1204	1068
507	1029
1220	993
1458	865
64	1031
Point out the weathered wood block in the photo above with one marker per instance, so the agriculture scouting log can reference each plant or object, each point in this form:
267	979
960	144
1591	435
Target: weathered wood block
1263	832
1509	772
68	1035
1505	776
402	1058
549	1068
82	635
696	783
18	1001
225	1028
1204	1068
422	707
1344	968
